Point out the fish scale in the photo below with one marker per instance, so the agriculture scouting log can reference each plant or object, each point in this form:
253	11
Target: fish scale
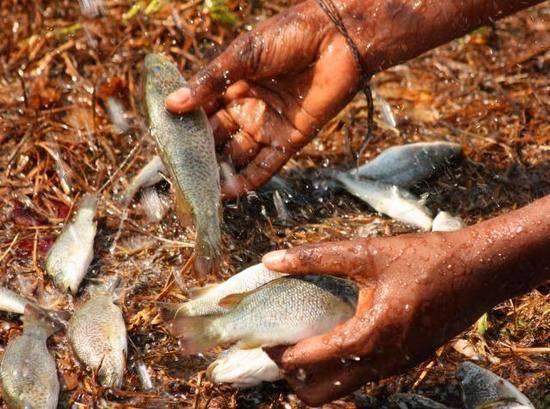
186	146
28	372
98	336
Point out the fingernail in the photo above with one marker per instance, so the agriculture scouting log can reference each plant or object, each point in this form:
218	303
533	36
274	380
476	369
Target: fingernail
178	97
275	257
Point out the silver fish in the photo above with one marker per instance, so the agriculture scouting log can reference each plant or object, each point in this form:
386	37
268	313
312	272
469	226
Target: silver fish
12	302
153	205
28	372
186	147
408	164
444	221
390	200
243	368
205	301
483	389
148	176
70	256
281	312
97	334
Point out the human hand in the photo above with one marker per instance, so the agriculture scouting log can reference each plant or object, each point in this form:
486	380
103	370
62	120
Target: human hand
416	292
270	92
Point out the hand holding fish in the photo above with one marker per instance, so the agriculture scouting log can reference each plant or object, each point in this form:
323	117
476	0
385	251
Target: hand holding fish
418	291
274	87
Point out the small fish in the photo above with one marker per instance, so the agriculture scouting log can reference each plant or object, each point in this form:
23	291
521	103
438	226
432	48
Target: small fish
149	175
28	373
98	337
243	368
153	205
69	258
205	300
12	302
445	221
186	146
390	200
281	312
483	389
406	165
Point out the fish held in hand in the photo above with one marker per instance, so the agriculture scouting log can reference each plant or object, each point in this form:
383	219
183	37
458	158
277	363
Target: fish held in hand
243	368
70	256
97	334
483	389
28	373
205	300
408	164
281	312
186	146
390	200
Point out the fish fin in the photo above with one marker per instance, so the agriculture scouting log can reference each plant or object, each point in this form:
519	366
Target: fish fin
169	311
183	209
195	334
196	292
232	300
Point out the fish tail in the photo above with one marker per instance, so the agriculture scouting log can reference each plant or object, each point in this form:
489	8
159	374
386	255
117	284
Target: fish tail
208	250
196	334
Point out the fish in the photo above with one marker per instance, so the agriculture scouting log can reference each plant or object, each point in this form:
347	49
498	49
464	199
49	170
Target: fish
444	221
149	175
281	312
243	368
153	205
97	335
483	389
69	258
186	147
28	373
205	300
391	200
12	302
406	165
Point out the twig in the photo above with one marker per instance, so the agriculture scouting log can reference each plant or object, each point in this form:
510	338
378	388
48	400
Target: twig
9	247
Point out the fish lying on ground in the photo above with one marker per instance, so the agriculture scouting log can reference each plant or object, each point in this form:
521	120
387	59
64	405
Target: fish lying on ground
390	200
483	389
243	368
186	147
28	373
153	204
70	256
97	335
444	221
149	175
12	302
281	312
408	164
205	300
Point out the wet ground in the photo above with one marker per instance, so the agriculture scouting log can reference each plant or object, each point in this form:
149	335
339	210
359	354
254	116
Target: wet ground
70	113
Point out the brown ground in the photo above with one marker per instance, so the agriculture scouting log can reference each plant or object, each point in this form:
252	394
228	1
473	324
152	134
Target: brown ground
488	91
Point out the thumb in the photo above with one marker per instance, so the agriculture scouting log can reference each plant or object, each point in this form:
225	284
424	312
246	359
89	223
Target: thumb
235	63
350	257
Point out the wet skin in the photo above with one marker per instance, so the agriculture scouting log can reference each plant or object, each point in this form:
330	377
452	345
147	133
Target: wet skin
273	88
418	291
269	93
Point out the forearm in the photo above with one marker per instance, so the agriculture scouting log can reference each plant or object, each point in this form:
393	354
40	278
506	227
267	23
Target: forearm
508	255
389	32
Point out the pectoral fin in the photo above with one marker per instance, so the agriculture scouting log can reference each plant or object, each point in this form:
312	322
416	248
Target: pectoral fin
232	300
183	209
